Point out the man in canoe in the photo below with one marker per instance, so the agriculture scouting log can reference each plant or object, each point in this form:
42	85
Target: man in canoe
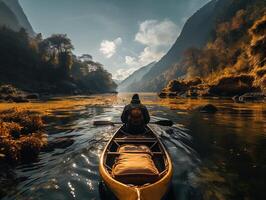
135	116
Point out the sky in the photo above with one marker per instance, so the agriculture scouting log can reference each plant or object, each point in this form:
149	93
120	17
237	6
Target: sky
123	35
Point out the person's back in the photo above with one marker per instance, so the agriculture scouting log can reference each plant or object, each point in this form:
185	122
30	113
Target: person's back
135	116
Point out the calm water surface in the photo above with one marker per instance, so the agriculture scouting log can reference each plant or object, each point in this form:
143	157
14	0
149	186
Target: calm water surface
215	156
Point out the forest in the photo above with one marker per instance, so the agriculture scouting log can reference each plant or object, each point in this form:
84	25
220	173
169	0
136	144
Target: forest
48	65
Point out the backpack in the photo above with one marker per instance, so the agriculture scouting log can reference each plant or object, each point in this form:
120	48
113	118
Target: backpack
136	117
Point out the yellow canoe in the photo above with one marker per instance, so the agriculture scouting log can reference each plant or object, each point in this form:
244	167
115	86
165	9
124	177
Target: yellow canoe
153	191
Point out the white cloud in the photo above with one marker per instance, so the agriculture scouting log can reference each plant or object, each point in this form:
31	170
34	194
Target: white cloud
122	74
155	33
108	48
157	36
147	56
131	61
150	54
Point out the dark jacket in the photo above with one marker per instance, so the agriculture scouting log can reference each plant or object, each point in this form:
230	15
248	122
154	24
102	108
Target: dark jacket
129	107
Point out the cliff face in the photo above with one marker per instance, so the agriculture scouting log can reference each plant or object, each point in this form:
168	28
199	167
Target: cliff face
13	16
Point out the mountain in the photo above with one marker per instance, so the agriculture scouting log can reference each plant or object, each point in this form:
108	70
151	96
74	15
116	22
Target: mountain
117	81
16	17
130	83
232	63
7	17
195	33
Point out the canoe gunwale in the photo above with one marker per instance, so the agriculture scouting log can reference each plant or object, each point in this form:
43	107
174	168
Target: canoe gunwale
165	175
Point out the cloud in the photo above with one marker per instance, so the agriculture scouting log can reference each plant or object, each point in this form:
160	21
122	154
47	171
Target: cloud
131	61
123	73
108	48
156	33
150	54
157	36
147	56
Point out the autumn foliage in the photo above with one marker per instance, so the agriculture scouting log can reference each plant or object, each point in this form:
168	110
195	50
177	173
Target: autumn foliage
236	50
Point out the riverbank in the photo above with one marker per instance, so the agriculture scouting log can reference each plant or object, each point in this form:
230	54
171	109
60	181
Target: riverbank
238	88
22	125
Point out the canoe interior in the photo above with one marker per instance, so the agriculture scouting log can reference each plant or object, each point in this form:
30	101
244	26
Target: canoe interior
149	139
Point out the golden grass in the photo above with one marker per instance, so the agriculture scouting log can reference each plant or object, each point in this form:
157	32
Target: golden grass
21	135
61	104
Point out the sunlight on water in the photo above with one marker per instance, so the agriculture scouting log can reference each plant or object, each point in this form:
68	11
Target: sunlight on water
212	154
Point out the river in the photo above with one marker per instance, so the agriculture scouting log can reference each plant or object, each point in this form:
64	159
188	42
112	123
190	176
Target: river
215	156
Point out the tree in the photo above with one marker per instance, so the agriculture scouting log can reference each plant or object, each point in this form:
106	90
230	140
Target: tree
61	43
60	50
85	57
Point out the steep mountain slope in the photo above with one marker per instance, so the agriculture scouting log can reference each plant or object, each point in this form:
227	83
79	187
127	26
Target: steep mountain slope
233	62
195	33
22	19
7	17
128	85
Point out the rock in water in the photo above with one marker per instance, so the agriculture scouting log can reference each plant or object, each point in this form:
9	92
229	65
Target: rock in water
59	143
209	108
163	95
233	85
33	96
256	96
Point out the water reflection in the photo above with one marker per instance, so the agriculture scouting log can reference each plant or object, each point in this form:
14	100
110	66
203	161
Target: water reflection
215	156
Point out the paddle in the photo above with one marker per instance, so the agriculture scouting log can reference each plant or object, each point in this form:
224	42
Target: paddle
160	122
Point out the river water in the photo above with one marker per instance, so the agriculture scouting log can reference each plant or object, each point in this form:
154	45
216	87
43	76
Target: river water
215	156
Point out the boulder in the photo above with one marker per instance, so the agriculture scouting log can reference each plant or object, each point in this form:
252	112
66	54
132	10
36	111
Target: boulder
8	90
172	94
192	93
236	99
163	95
233	85
194	82
33	96
208	108
20	99
176	86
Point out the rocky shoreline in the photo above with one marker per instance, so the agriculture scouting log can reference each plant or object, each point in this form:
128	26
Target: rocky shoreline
238	88
9	93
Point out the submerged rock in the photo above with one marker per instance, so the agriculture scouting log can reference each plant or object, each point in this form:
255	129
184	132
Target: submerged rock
236	99
33	96
208	108
59	143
